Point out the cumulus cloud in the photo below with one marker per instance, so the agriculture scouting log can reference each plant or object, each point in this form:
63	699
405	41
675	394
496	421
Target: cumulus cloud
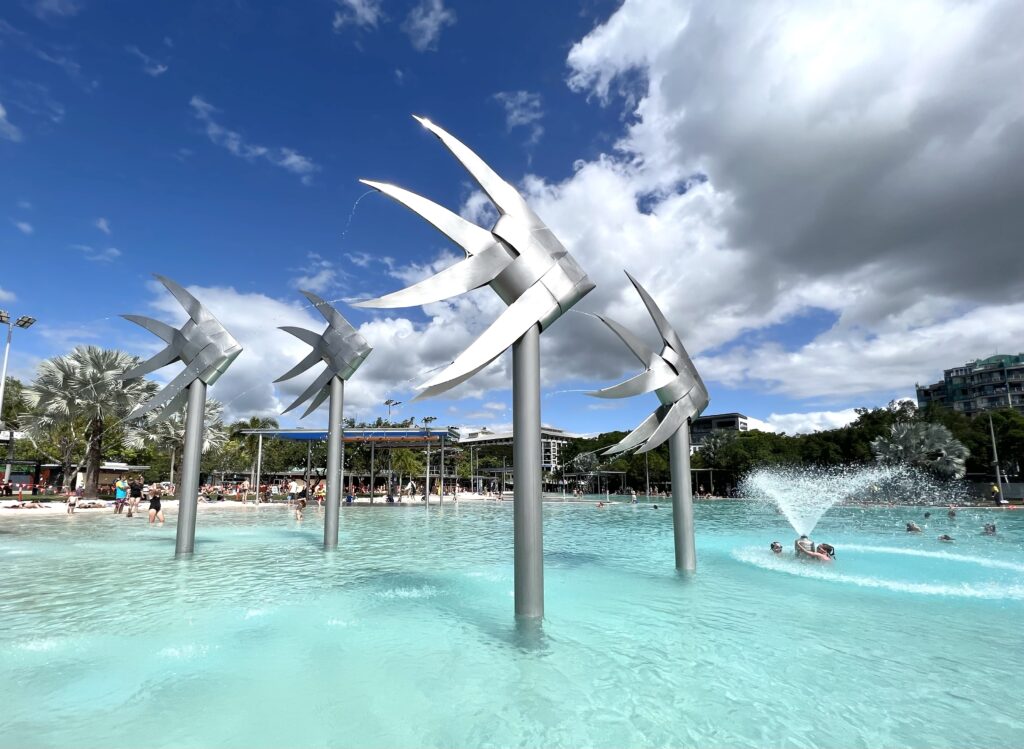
7	296
779	159
286	158
24	227
805	423
425	23
103	225
8	130
522	109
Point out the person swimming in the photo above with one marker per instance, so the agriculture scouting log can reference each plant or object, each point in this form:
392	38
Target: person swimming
946	538
805	548
827	549
989	529
913	527
776	547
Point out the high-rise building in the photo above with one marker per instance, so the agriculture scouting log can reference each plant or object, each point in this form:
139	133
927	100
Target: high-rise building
977	386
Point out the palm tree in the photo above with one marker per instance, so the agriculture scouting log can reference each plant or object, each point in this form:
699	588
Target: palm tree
925	445
169	434
83	387
251	441
405	462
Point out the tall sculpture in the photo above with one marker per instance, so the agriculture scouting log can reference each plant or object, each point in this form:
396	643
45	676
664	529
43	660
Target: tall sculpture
673	378
522	260
206	349
342	349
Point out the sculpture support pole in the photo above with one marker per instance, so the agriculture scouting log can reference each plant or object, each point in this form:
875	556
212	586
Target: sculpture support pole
334	478
188	491
526	459
682	498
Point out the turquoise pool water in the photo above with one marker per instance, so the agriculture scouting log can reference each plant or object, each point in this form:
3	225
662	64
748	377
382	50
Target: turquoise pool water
405	636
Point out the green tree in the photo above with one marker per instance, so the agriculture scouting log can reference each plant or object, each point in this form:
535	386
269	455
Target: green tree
84	387
168	434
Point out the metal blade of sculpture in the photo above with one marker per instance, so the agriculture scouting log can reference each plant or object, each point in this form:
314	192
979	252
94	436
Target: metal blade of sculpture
532	272
673	378
342	349
207	350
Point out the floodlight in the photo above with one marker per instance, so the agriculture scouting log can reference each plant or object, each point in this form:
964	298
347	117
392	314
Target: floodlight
5	316
24	321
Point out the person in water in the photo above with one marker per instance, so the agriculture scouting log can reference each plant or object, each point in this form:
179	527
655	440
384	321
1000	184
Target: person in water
946	538
805	548
927	515
989	529
913	527
776	547
827	549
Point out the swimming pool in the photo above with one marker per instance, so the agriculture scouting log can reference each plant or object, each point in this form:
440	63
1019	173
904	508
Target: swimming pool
405	635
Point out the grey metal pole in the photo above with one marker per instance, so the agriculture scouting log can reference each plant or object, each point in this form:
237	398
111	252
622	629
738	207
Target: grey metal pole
426	489
526	466
335	438
440	494
682	499
647	476
259	465
373	469
192	452
3	385
995	454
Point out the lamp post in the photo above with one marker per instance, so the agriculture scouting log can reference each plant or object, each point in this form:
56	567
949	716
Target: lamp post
995	456
427	421
24	322
390	402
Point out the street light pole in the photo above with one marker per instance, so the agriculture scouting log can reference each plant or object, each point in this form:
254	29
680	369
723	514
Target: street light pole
391	473
24	322
995	456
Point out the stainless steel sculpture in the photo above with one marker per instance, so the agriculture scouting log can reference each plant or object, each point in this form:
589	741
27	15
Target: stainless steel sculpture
522	260
342	349
207	350
673	378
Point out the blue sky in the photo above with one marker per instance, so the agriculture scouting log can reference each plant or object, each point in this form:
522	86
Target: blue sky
221	144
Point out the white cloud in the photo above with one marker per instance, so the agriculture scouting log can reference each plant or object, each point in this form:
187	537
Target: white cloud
496	406
522	109
403	352
360	13
425	23
8	129
318	275
7	296
286	158
24	227
812	421
150	65
98	255
103	225
779	159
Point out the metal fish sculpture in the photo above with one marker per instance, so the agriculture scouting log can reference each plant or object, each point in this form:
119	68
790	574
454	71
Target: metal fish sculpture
520	258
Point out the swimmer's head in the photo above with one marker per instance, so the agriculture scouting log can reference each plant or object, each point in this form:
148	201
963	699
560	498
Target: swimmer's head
776	547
